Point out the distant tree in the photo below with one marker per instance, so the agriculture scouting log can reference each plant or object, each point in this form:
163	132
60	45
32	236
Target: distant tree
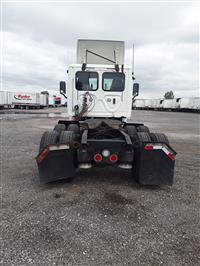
169	95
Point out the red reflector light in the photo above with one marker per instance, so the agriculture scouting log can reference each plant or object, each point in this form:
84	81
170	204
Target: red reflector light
148	147
171	156
113	158
43	155
97	157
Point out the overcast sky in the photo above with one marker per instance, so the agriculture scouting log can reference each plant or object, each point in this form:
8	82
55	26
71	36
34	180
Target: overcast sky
39	42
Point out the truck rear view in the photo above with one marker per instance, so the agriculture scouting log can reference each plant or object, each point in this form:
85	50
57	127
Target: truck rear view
100	91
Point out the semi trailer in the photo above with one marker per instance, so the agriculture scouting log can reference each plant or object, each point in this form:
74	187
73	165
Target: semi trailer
6	99
100	90
24	100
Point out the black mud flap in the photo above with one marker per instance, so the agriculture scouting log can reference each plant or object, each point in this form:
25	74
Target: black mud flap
154	164
56	162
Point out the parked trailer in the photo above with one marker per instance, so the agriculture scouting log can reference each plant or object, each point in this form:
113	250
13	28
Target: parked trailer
148	103
155	104
6	99
197	104
190	104
24	100
176	104
138	103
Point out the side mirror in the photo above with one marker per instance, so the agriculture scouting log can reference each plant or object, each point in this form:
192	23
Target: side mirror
62	87
135	89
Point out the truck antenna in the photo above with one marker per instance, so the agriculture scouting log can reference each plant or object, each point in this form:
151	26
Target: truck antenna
133	64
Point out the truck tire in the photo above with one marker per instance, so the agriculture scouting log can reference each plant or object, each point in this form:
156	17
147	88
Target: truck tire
159	137
143	129
143	137
130	130
66	137
74	128
48	138
59	128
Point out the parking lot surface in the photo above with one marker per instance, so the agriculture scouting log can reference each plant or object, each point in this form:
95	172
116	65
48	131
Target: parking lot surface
103	217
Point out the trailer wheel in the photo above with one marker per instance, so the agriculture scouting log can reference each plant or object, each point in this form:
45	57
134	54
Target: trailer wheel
143	137
48	138
159	137
143	129
59	128
66	137
74	128
130	130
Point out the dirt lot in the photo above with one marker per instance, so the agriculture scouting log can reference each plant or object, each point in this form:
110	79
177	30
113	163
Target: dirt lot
103	217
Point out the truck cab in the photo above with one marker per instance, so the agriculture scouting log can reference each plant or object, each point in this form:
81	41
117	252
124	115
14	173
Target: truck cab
107	92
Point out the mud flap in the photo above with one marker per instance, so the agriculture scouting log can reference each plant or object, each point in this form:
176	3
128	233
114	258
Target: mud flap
56	162
154	164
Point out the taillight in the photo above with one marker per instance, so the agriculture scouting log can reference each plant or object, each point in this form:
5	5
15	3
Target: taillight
113	158
98	158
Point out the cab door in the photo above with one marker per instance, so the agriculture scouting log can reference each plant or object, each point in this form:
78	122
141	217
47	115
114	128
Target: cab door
110	99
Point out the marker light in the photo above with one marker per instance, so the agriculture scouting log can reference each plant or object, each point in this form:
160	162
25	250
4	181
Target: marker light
105	153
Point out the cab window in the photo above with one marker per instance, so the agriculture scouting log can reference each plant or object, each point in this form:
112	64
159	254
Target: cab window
113	81
86	81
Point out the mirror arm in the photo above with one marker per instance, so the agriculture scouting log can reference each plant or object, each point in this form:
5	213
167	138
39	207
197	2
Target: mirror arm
134	96
63	95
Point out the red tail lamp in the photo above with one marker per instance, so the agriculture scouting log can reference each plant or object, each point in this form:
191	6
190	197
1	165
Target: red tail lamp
113	158
98	158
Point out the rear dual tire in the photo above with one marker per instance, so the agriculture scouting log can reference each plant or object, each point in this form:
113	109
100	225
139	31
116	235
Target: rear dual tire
66	137
143	129
59	128
130	130
48	138
155	137
159	137
74	128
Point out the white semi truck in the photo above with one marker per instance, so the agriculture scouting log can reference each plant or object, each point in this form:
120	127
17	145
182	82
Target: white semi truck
99	91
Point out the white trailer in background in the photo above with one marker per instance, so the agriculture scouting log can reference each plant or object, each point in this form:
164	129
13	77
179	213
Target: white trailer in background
138	103
23	100
155	104
147	103
171	104
6	99
197	104
167	104
187	103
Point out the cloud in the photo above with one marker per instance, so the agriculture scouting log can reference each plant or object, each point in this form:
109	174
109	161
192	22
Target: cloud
39	41
161	67
33	64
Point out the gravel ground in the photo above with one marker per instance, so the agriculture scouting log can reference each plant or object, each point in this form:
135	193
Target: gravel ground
102	217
